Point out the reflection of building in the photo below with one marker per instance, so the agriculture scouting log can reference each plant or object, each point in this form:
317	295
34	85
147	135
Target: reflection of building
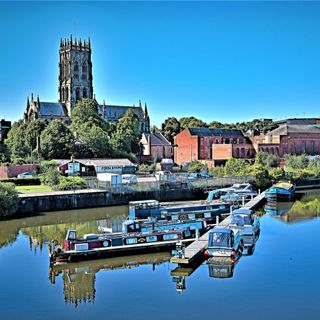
75	83
214	146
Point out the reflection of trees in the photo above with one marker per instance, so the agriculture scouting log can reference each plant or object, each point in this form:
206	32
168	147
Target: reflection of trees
79	287
7	235
79	278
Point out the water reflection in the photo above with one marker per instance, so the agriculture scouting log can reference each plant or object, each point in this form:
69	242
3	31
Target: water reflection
308	207
79	278
221	268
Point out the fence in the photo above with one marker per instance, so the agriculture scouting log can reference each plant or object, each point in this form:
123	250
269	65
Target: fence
180	183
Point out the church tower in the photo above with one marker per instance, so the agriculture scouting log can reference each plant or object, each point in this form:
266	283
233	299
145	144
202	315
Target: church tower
75	72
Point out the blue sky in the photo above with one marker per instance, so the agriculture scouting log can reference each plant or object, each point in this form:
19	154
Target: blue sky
224	61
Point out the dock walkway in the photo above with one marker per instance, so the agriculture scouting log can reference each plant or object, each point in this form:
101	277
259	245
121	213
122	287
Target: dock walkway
196	249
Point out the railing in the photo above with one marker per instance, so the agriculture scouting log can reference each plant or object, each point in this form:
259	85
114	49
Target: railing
307	183
180	183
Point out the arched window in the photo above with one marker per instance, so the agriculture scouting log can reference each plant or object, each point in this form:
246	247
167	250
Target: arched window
77	93
84	67
76	67
84	93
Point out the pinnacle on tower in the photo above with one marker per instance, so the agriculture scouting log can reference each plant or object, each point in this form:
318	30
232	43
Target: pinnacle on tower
145	110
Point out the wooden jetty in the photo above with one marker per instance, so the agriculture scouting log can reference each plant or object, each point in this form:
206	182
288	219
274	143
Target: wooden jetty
196	249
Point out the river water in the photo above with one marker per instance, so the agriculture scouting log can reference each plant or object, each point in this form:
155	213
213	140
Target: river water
280	280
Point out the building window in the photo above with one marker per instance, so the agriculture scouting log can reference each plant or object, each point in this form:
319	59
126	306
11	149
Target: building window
312	148
77	94
76	67
84	94
84	68
303	147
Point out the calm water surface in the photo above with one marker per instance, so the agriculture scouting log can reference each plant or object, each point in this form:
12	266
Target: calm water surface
280	280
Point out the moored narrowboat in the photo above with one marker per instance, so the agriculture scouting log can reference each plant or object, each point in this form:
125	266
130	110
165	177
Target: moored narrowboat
282	191
93	246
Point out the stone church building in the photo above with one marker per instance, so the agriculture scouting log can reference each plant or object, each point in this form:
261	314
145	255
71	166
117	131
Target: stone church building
75	83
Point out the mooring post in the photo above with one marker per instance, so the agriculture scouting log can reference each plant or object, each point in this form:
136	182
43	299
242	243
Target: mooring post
217	219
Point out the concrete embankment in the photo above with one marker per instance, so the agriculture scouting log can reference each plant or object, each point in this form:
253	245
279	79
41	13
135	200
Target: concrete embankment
68	200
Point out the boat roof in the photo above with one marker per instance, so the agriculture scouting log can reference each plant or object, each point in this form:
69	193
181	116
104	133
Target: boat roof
143	202
283	185
224	230
242	211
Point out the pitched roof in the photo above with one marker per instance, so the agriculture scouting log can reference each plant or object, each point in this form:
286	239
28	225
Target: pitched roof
286	129
52	109
157	139
203	132
114	113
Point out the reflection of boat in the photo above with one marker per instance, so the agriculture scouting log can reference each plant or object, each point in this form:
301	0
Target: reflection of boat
281	191
93	246
79	278
220	267
277	209
152	208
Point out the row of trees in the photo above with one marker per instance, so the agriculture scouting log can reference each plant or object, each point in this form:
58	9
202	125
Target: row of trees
88	135
172	126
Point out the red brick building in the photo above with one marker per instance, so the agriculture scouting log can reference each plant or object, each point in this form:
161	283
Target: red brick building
290	138
214	146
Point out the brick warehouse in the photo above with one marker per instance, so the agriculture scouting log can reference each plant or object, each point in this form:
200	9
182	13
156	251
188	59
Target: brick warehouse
214	146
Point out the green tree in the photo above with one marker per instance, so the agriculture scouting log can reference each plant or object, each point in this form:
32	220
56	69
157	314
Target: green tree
126	138
86	113
17	142
191	122
216	124
170	128
33	132
277	173
57	141
260	175
293	162
235	167
266	159
4	153
9	199
197	166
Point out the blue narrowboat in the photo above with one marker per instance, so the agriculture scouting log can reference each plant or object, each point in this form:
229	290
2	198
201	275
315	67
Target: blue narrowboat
282	191
153	208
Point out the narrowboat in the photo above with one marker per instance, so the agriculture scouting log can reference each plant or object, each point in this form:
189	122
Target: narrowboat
92	246
247	224
224	243
282	191
152	208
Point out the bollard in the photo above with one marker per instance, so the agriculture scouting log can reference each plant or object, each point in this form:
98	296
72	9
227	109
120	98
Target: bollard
217	220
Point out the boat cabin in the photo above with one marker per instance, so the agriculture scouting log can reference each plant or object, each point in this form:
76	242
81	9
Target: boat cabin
143	208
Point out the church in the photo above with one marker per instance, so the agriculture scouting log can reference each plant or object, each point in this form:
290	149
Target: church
75	83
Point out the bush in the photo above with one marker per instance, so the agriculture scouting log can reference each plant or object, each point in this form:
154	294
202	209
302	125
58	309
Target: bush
147	168
23	182
50	177
197	166
260	176
236	167
8	199
277	173
70	183
217	171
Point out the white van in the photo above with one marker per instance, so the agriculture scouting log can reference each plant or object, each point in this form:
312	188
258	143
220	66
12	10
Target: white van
129	179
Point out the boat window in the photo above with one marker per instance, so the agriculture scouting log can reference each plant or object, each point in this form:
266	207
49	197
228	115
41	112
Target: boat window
207	214
192	216
219	239
171	236
132	240
151	238
130	227
175	217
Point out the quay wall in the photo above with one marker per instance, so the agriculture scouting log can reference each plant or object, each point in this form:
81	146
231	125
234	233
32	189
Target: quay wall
36	203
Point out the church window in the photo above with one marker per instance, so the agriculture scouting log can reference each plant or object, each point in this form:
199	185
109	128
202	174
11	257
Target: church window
84	68
77	94
76	67
84	94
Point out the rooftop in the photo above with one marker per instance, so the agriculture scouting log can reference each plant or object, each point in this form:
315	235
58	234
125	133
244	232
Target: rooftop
204	132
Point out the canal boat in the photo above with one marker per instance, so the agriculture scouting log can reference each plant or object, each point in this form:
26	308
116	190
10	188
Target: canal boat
224	243
282	191
152	208
247	224
92	246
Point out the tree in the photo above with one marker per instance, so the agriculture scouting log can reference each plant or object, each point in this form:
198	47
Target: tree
197	166
235	167
170	128
8	199
57	141
4	153
191	122
126	138
260	176
85	112
33	132
266	159
216	124
296	162
16	141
